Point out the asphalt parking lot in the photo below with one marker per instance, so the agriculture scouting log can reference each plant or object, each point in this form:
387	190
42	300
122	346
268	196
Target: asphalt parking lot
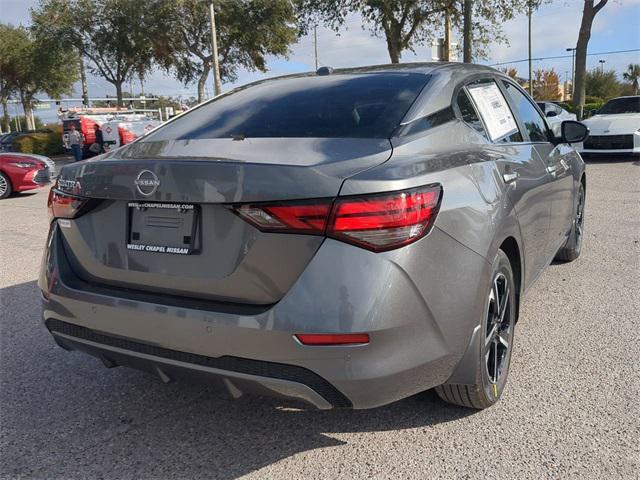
571	408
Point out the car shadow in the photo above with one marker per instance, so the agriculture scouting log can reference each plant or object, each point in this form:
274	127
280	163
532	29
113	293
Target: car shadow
66	416
604	159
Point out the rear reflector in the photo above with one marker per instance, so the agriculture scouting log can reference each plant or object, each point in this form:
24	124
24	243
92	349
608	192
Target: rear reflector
333	338
62	205
376	222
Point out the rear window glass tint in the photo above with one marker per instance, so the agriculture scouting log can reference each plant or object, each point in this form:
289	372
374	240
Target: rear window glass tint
339	106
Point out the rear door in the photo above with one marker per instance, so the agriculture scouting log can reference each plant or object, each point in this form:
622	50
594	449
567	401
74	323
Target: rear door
556	161
522	171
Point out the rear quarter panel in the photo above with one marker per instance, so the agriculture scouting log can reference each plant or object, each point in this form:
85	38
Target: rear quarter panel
475	209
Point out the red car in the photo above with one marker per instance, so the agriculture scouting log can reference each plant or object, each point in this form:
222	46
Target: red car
20	172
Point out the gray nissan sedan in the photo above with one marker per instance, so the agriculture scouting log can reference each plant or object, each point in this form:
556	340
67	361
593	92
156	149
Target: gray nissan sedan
345	237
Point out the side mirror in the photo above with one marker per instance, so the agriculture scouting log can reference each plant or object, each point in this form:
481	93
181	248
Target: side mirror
573	132
552	113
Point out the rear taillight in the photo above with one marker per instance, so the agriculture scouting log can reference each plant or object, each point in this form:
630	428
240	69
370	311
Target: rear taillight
288	217
62	205
376	222
385	221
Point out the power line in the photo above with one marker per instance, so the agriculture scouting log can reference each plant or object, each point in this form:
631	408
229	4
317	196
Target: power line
564	56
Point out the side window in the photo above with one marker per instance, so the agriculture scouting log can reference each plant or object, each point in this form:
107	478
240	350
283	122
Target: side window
469	114
494	110
534	124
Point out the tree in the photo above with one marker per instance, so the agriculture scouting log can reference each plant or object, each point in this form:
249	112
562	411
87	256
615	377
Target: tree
480	22
404	23
546	85
8	46
632	75
588	14
601	84
119	37
510	72
247	30
30	67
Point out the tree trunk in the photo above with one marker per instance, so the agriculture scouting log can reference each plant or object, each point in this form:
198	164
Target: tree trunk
588	14
119	100
26	108
467	33
201	83
5	114
83	82
447	37
393	46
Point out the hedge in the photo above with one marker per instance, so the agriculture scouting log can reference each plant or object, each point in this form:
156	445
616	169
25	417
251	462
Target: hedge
47	144
587	107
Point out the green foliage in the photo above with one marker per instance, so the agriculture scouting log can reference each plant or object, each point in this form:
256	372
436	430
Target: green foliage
406	24
47	144
603	85
29	66
546	85
632	76
247	31
117	36
22	121
592	103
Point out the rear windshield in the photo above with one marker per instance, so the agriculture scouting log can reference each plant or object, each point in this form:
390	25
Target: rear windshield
367	105
621	105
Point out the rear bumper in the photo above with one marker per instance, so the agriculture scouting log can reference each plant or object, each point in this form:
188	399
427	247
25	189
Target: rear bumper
418	331
238	375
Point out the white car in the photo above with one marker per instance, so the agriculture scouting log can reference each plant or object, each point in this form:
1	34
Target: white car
555	115
615	128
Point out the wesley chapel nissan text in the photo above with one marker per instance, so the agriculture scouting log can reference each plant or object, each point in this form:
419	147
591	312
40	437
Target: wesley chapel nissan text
346	237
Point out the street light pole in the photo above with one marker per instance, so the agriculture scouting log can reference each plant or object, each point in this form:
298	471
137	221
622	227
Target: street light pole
315	44
217	86
573	68
530	62
602	66
83	82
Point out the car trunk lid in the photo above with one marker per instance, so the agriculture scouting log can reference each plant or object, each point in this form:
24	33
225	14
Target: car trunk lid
180	205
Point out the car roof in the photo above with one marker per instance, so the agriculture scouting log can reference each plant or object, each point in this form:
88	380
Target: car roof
417	67
425	68
624	96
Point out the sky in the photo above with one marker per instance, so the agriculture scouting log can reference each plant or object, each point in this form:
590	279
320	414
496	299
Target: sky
555	28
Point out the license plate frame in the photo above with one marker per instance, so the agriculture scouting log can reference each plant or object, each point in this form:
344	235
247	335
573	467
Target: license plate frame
163	227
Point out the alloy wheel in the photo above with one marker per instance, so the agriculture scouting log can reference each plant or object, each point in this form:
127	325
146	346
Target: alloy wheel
498	329
3	186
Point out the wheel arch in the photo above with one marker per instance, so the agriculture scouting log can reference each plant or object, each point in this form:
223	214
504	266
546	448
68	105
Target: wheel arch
7	176
511	248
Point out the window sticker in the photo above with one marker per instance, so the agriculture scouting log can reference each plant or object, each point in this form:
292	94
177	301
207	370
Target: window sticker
494	110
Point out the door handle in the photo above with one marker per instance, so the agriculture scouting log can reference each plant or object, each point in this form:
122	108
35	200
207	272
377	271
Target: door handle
510	177
553	169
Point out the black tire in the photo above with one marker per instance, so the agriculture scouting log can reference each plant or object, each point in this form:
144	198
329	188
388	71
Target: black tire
496	342
571	250
5	186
